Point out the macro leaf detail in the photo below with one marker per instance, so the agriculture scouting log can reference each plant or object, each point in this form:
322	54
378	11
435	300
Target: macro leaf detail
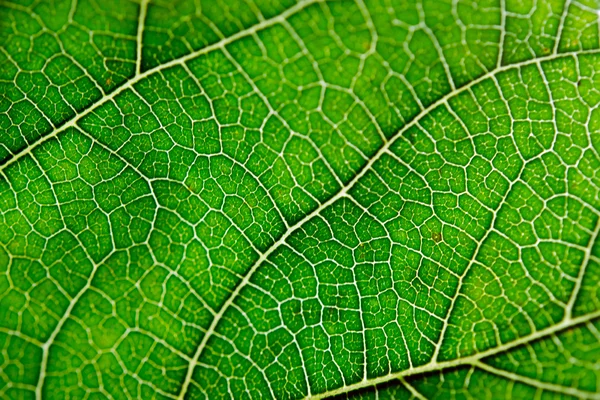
264	199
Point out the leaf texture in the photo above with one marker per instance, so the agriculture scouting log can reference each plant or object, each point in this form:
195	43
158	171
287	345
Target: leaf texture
264	199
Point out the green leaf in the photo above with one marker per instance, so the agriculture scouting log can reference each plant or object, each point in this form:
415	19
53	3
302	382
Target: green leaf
265	199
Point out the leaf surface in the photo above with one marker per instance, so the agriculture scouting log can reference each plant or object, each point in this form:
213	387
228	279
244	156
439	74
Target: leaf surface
262	199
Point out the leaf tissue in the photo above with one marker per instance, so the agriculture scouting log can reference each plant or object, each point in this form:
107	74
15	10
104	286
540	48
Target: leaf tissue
256	199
